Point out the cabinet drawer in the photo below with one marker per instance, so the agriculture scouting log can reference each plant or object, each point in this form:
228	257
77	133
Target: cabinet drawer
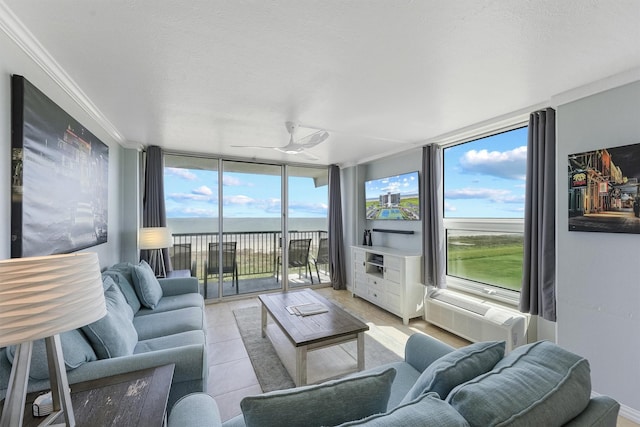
375	282
376	296
392	275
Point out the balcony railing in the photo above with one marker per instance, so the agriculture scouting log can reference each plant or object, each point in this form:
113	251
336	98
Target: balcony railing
257	252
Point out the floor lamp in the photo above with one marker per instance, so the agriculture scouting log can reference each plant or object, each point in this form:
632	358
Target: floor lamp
41	297
156	239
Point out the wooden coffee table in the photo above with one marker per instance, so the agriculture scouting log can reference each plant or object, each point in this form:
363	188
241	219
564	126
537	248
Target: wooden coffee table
307	333
136	398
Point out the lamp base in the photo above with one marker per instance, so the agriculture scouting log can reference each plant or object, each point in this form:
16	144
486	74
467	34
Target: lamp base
13	412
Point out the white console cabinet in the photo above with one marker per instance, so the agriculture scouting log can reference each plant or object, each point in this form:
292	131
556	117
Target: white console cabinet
389	278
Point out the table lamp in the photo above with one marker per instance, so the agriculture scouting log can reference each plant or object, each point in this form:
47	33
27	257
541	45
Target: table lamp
155	239
41	297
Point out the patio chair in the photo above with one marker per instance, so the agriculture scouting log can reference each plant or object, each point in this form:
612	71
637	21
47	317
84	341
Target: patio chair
180	255
323	255
298	257
229	264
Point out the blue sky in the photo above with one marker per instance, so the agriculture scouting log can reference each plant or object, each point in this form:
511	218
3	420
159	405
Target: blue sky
191	193
486	178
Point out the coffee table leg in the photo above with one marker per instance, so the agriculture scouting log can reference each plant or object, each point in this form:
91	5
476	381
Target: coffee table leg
301	366
264	321
361	351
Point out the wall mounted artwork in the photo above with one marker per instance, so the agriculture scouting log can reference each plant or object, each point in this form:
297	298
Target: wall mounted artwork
59	177
603	190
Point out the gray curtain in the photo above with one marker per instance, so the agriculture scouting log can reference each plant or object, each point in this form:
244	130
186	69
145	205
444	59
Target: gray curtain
538	294
432	227
336	240
153	209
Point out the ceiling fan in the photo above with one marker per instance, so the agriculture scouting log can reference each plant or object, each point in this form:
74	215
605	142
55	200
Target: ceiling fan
298	146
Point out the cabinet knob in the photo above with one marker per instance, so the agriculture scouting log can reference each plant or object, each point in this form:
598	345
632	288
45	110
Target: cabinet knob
364	264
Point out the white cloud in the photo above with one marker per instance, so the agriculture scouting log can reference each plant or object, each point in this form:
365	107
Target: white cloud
449	207
238	200
191	196
502	164
231	181
494	195
181	173
203	190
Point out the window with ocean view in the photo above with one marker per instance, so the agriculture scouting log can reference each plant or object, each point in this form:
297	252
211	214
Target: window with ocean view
484	189
226	218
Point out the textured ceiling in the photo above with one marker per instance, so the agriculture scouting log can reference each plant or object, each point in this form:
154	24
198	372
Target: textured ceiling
203	75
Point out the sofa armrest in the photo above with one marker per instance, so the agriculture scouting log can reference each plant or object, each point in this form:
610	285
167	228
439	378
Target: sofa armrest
195	409
602	411
422	350
179	286
190	361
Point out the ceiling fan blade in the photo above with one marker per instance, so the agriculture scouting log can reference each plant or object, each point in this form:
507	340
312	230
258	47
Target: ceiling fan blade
313	139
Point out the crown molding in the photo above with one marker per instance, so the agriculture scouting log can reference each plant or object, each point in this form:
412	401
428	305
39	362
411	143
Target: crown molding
25	40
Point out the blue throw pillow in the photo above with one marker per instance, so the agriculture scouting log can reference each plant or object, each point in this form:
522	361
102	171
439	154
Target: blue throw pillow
457	367
327	404
538	384
75	349
114	334
426	411
122	274
146	285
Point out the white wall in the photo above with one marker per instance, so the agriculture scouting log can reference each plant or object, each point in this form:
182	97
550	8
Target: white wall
14	61
598	284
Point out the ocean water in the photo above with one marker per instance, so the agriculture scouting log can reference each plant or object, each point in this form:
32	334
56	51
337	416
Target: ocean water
236	225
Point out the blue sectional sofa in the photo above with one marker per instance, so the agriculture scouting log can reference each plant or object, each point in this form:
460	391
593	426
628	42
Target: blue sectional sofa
149	323
538	384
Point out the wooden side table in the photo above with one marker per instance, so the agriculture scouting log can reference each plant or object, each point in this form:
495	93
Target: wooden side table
136	398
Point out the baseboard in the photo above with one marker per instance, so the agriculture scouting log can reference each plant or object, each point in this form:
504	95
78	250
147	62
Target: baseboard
630	414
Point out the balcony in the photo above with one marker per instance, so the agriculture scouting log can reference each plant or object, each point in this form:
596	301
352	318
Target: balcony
257	254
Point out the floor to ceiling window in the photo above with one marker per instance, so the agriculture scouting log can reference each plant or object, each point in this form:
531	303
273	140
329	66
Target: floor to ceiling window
308	192
228	221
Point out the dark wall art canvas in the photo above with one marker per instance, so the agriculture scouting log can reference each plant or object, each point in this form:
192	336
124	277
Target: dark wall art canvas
603	190
59	178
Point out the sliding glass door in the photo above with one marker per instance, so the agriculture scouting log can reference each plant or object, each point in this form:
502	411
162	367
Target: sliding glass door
307	226
251	227
231	229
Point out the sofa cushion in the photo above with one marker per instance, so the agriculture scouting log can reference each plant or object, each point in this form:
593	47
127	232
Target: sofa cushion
169	322
146	285
406	376
325	404
75	349
425	411
457	367
174	302
114	334
536	384
121	274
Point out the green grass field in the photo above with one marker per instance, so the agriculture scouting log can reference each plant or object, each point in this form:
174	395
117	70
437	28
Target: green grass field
492	259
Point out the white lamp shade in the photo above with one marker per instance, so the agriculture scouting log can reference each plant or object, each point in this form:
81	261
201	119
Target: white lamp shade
155	238
44	296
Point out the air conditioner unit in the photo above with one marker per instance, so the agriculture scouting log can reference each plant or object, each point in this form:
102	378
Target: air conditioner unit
475	319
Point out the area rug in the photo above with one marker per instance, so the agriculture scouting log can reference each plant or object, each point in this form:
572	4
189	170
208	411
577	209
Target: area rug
271	373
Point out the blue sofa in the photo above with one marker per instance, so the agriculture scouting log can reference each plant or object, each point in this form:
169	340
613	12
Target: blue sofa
538	384
145	327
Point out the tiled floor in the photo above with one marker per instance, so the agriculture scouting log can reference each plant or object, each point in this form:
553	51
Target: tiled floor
231	375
